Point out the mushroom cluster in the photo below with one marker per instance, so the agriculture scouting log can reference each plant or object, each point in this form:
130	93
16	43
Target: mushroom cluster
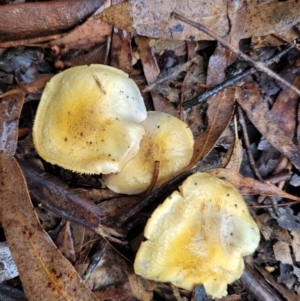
198	236
92	119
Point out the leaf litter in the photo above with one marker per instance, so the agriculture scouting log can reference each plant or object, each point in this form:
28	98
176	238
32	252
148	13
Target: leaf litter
79	215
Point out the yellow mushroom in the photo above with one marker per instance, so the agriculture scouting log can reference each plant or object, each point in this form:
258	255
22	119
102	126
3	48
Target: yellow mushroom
167	140
198	236
88	119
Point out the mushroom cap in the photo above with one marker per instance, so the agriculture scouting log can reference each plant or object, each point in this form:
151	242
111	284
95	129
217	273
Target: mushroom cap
168	140
198	236
88	119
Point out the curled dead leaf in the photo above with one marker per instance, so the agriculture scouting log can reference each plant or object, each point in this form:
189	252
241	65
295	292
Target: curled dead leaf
250	186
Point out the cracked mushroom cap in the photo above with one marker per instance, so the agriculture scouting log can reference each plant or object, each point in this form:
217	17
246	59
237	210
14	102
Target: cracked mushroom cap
168	140
88	120
198	236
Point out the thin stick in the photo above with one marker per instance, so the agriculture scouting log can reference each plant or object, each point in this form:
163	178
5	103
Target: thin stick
271	205
250	157
233	80
281	38
247	143
257	65
183	67
204	96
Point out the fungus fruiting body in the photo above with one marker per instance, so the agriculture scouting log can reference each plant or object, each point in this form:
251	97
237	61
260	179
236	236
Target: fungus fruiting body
167	140
198	236
88	119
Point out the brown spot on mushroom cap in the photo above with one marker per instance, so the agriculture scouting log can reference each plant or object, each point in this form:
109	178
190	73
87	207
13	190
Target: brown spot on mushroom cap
74	115
198	236
168	140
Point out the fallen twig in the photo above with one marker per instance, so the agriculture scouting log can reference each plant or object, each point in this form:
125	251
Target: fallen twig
232	81
250	157
257	65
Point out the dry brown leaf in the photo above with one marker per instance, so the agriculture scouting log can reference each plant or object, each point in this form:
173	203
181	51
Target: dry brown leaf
96	55
32	19
88	34
217	65
261	117
151	71
106	268
118	16
296	244
284	114
65	243
282	252
150	66
236	156
56	197
121	51
237	14
35	87
250	186
219	113
220	106
290	34
222	57
270	16
285	106
196	74
42	268
152	18
138	291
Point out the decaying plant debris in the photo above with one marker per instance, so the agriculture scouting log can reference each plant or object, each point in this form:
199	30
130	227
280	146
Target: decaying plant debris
70	237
